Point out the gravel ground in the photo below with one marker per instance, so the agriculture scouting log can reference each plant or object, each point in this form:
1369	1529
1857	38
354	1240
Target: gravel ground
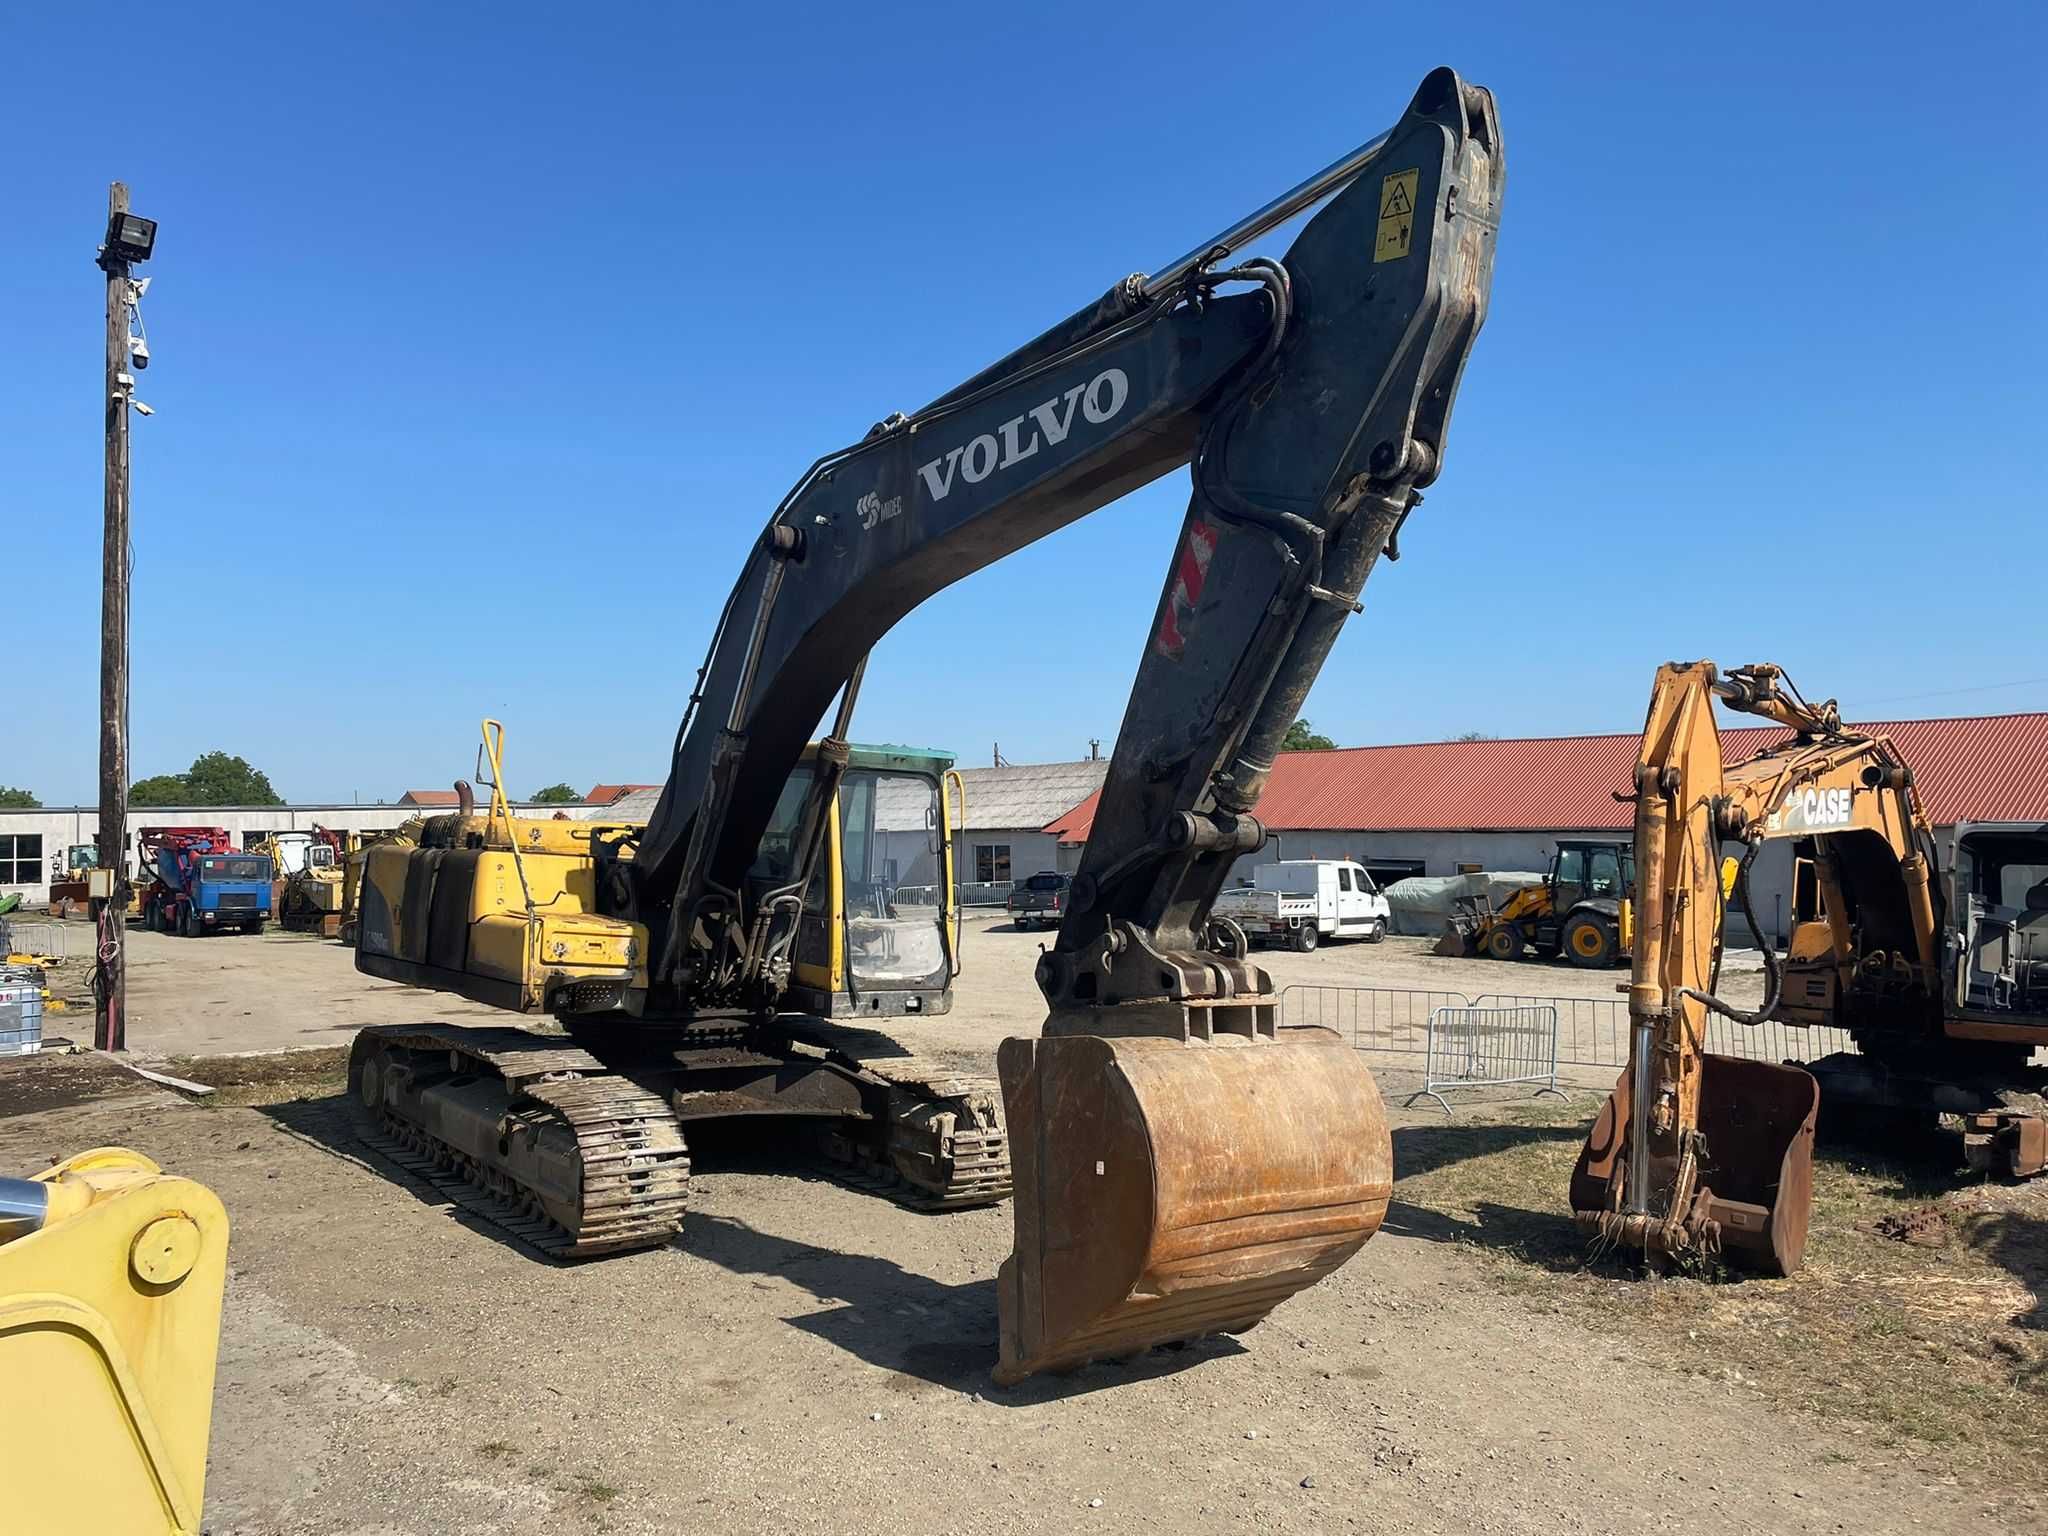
810	1359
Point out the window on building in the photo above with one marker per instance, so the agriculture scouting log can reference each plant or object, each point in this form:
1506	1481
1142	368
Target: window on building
21	858
991	862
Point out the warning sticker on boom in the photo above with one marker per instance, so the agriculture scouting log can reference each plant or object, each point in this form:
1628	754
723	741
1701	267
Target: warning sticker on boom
1397	216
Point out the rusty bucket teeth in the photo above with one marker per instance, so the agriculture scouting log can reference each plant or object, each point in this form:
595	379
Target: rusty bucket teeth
1753	1194
1169	1190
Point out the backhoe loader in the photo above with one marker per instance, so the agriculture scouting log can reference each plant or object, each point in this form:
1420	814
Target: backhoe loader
1578	911
1182	1163
1941	983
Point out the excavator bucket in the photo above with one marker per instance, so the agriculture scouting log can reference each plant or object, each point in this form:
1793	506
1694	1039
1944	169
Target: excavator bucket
1167	1190
1754	1191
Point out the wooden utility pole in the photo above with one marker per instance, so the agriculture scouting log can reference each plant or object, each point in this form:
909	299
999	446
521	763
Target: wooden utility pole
110	998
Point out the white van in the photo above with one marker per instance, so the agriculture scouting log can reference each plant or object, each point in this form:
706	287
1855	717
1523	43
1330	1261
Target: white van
1299	902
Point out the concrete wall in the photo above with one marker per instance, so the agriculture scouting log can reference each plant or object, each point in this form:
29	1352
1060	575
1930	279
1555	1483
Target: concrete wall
62	826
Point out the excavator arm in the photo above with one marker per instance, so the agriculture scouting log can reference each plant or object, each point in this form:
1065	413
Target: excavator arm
1313	408
1697	1152
1181	1164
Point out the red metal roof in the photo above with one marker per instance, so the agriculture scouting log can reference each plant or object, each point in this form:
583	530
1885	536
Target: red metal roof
1980	767
605	794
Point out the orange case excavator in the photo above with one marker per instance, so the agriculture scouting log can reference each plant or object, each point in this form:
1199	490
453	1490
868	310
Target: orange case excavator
1698	1153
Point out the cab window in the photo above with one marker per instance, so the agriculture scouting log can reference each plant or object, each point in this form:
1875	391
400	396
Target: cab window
1343	878
1605	875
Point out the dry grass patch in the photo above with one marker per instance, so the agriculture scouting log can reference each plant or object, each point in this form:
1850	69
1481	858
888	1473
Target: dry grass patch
1938	1344
275	1078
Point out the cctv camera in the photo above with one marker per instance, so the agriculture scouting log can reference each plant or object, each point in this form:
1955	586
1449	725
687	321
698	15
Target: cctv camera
143	408
138	350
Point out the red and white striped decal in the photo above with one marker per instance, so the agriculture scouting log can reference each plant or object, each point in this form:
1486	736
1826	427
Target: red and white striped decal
1190	575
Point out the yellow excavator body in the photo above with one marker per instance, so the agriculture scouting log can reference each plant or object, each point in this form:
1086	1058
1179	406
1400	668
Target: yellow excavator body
111	1278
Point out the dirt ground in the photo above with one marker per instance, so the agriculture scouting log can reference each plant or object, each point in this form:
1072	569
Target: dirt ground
811	1359
237	994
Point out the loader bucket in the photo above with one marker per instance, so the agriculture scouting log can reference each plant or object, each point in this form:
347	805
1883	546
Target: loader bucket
1755	1185
1168	1190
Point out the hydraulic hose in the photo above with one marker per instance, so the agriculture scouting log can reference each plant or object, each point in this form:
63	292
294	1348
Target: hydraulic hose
1774	976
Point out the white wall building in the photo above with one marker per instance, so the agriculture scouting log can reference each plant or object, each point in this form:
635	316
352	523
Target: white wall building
34	844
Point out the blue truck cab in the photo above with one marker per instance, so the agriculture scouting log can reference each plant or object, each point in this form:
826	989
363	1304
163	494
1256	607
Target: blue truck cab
203	884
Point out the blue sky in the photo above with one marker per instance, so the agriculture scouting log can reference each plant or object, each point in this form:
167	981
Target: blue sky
485	339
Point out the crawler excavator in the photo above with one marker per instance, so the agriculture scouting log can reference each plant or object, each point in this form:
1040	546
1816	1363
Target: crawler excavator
1182	1163
1942	982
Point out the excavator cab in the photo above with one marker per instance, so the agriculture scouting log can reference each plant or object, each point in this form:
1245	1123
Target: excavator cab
879	935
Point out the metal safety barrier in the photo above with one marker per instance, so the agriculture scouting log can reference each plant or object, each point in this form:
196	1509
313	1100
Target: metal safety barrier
983	893
1475	1047
1591	1031
50	941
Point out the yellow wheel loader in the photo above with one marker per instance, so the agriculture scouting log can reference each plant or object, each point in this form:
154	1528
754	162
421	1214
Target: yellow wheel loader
1940	980
1182	1162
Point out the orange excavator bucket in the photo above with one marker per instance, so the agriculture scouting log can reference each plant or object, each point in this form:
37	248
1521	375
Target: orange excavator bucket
1166	1190
1749	1192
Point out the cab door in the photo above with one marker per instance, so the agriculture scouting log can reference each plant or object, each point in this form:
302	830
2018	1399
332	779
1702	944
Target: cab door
1350	901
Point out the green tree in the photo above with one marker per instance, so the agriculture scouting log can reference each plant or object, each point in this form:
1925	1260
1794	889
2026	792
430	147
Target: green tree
18	800
1303	737
556	794
215	778
160	789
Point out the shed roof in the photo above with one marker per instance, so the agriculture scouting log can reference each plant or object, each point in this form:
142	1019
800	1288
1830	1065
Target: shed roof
1027	795
605	794
1976	767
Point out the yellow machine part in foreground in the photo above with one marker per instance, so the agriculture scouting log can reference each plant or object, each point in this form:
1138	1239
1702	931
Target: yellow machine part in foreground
109	1327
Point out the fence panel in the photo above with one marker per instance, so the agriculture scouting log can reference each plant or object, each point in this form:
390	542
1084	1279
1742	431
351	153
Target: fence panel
1591	1031
1472	1047
1371	1018
983	893
50	941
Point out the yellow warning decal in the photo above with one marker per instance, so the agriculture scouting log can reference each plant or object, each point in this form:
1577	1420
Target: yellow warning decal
1397	216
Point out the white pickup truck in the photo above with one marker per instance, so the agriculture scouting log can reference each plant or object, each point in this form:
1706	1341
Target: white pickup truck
1300	902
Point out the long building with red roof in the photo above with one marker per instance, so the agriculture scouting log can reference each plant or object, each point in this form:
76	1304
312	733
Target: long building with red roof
1431	808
